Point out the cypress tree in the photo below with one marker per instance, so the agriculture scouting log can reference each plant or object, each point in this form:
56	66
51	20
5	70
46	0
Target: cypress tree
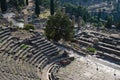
3	5
27	2
52	7
37	8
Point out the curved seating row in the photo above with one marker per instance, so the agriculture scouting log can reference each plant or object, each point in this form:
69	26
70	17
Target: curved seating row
11	70
37	52
106	45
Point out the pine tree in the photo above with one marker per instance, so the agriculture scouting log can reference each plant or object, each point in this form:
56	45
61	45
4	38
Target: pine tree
59	26
37	8
52	7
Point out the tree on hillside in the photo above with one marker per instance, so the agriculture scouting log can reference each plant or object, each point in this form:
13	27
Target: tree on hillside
83	12
37	8
77	11
21	2
45	3
59	27
52	7
109	22
3	5
14	2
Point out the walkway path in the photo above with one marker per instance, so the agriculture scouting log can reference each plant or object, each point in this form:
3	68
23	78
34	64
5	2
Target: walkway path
98	60
89	68
84	68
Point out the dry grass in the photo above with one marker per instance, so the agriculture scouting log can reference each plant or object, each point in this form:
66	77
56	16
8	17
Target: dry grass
44	14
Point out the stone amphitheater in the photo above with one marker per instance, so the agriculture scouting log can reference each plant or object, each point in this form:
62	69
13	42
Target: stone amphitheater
28	58
28	55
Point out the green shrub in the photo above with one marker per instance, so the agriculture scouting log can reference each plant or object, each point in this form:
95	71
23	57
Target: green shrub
29	26
23	46
90	49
